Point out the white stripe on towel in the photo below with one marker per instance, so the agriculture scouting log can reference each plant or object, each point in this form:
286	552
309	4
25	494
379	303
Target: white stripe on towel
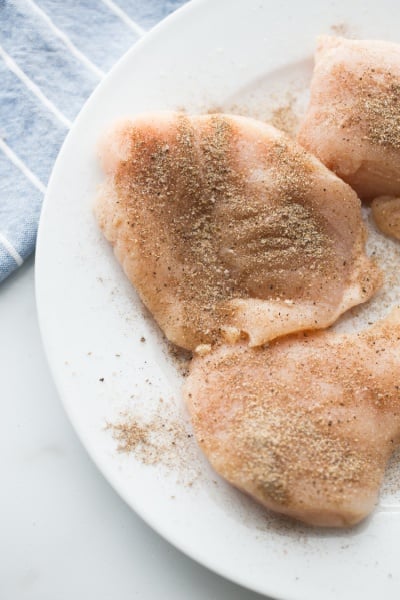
124	17
11	250
64	38
22	166
12	65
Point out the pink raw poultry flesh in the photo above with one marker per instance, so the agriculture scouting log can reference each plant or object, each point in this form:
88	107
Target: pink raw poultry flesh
227	228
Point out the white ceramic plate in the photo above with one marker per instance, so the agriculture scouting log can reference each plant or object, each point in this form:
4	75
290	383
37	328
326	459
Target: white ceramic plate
232	54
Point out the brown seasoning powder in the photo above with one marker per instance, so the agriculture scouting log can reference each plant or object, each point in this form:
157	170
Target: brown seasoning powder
191	180
376	103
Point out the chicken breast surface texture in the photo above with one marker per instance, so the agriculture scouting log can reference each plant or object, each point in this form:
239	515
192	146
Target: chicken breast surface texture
225	226
386	213
353	120
305	426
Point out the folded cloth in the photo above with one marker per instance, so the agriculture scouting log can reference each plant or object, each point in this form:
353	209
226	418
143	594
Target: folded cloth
52	55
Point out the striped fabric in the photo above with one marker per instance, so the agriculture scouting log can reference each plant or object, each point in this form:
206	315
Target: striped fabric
52	55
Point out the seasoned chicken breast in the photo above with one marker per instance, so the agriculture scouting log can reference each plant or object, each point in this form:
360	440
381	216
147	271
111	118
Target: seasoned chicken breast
226	227
306	425
386	213
353	120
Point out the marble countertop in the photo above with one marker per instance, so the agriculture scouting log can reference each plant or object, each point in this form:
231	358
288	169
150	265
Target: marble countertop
65	533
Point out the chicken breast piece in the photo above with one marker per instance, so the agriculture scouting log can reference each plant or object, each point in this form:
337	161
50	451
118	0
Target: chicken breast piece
225	227
305	426
386	213
353	120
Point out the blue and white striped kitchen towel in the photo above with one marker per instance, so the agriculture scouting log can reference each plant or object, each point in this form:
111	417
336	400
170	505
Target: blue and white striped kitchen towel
52	55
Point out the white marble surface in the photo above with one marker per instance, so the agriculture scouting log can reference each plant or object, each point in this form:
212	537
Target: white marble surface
64	532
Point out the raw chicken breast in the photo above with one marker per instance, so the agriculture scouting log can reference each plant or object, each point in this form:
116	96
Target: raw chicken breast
386	213
226	227
305	426
353	120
